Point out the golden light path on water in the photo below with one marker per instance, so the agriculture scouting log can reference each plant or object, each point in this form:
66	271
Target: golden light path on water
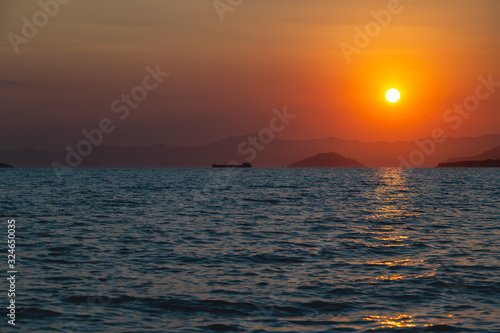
393	200
400	320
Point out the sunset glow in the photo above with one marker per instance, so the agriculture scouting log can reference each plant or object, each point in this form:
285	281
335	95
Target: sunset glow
228	74
232	165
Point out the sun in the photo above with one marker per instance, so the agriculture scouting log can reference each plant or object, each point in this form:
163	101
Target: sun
392	95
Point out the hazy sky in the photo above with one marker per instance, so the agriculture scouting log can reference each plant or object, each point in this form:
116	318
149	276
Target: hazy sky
227	76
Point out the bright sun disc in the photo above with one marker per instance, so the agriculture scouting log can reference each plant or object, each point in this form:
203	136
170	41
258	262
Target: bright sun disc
392	95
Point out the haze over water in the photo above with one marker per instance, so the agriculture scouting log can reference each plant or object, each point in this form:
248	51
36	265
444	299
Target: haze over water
264	250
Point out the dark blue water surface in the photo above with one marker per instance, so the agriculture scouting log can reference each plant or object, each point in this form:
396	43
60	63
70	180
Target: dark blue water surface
281	250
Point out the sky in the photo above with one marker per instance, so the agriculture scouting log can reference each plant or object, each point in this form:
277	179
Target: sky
229	66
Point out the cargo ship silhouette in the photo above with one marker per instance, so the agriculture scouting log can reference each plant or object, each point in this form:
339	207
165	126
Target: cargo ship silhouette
243	165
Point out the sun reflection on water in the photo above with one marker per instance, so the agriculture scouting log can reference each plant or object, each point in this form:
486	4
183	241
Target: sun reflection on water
401	276
406	321
402	262
400	320
392	198
390	202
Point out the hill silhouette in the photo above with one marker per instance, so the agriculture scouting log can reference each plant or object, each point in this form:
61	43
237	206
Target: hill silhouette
5	166
471	164
492	154
327	160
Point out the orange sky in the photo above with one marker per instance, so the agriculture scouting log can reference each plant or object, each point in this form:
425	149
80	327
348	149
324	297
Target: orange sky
226	76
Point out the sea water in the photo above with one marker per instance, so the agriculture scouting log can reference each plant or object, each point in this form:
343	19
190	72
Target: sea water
259	250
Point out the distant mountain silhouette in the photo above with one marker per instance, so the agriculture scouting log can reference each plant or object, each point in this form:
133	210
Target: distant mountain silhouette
327	160
488	159
471	164
492	154
278	152
5	166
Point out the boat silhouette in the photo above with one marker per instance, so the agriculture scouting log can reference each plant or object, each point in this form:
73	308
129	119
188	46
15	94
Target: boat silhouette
243	165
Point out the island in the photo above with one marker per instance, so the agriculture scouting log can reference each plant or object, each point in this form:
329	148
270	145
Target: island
471	164
327	160
5	166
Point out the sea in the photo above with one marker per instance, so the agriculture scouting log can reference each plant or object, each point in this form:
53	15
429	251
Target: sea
252	250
